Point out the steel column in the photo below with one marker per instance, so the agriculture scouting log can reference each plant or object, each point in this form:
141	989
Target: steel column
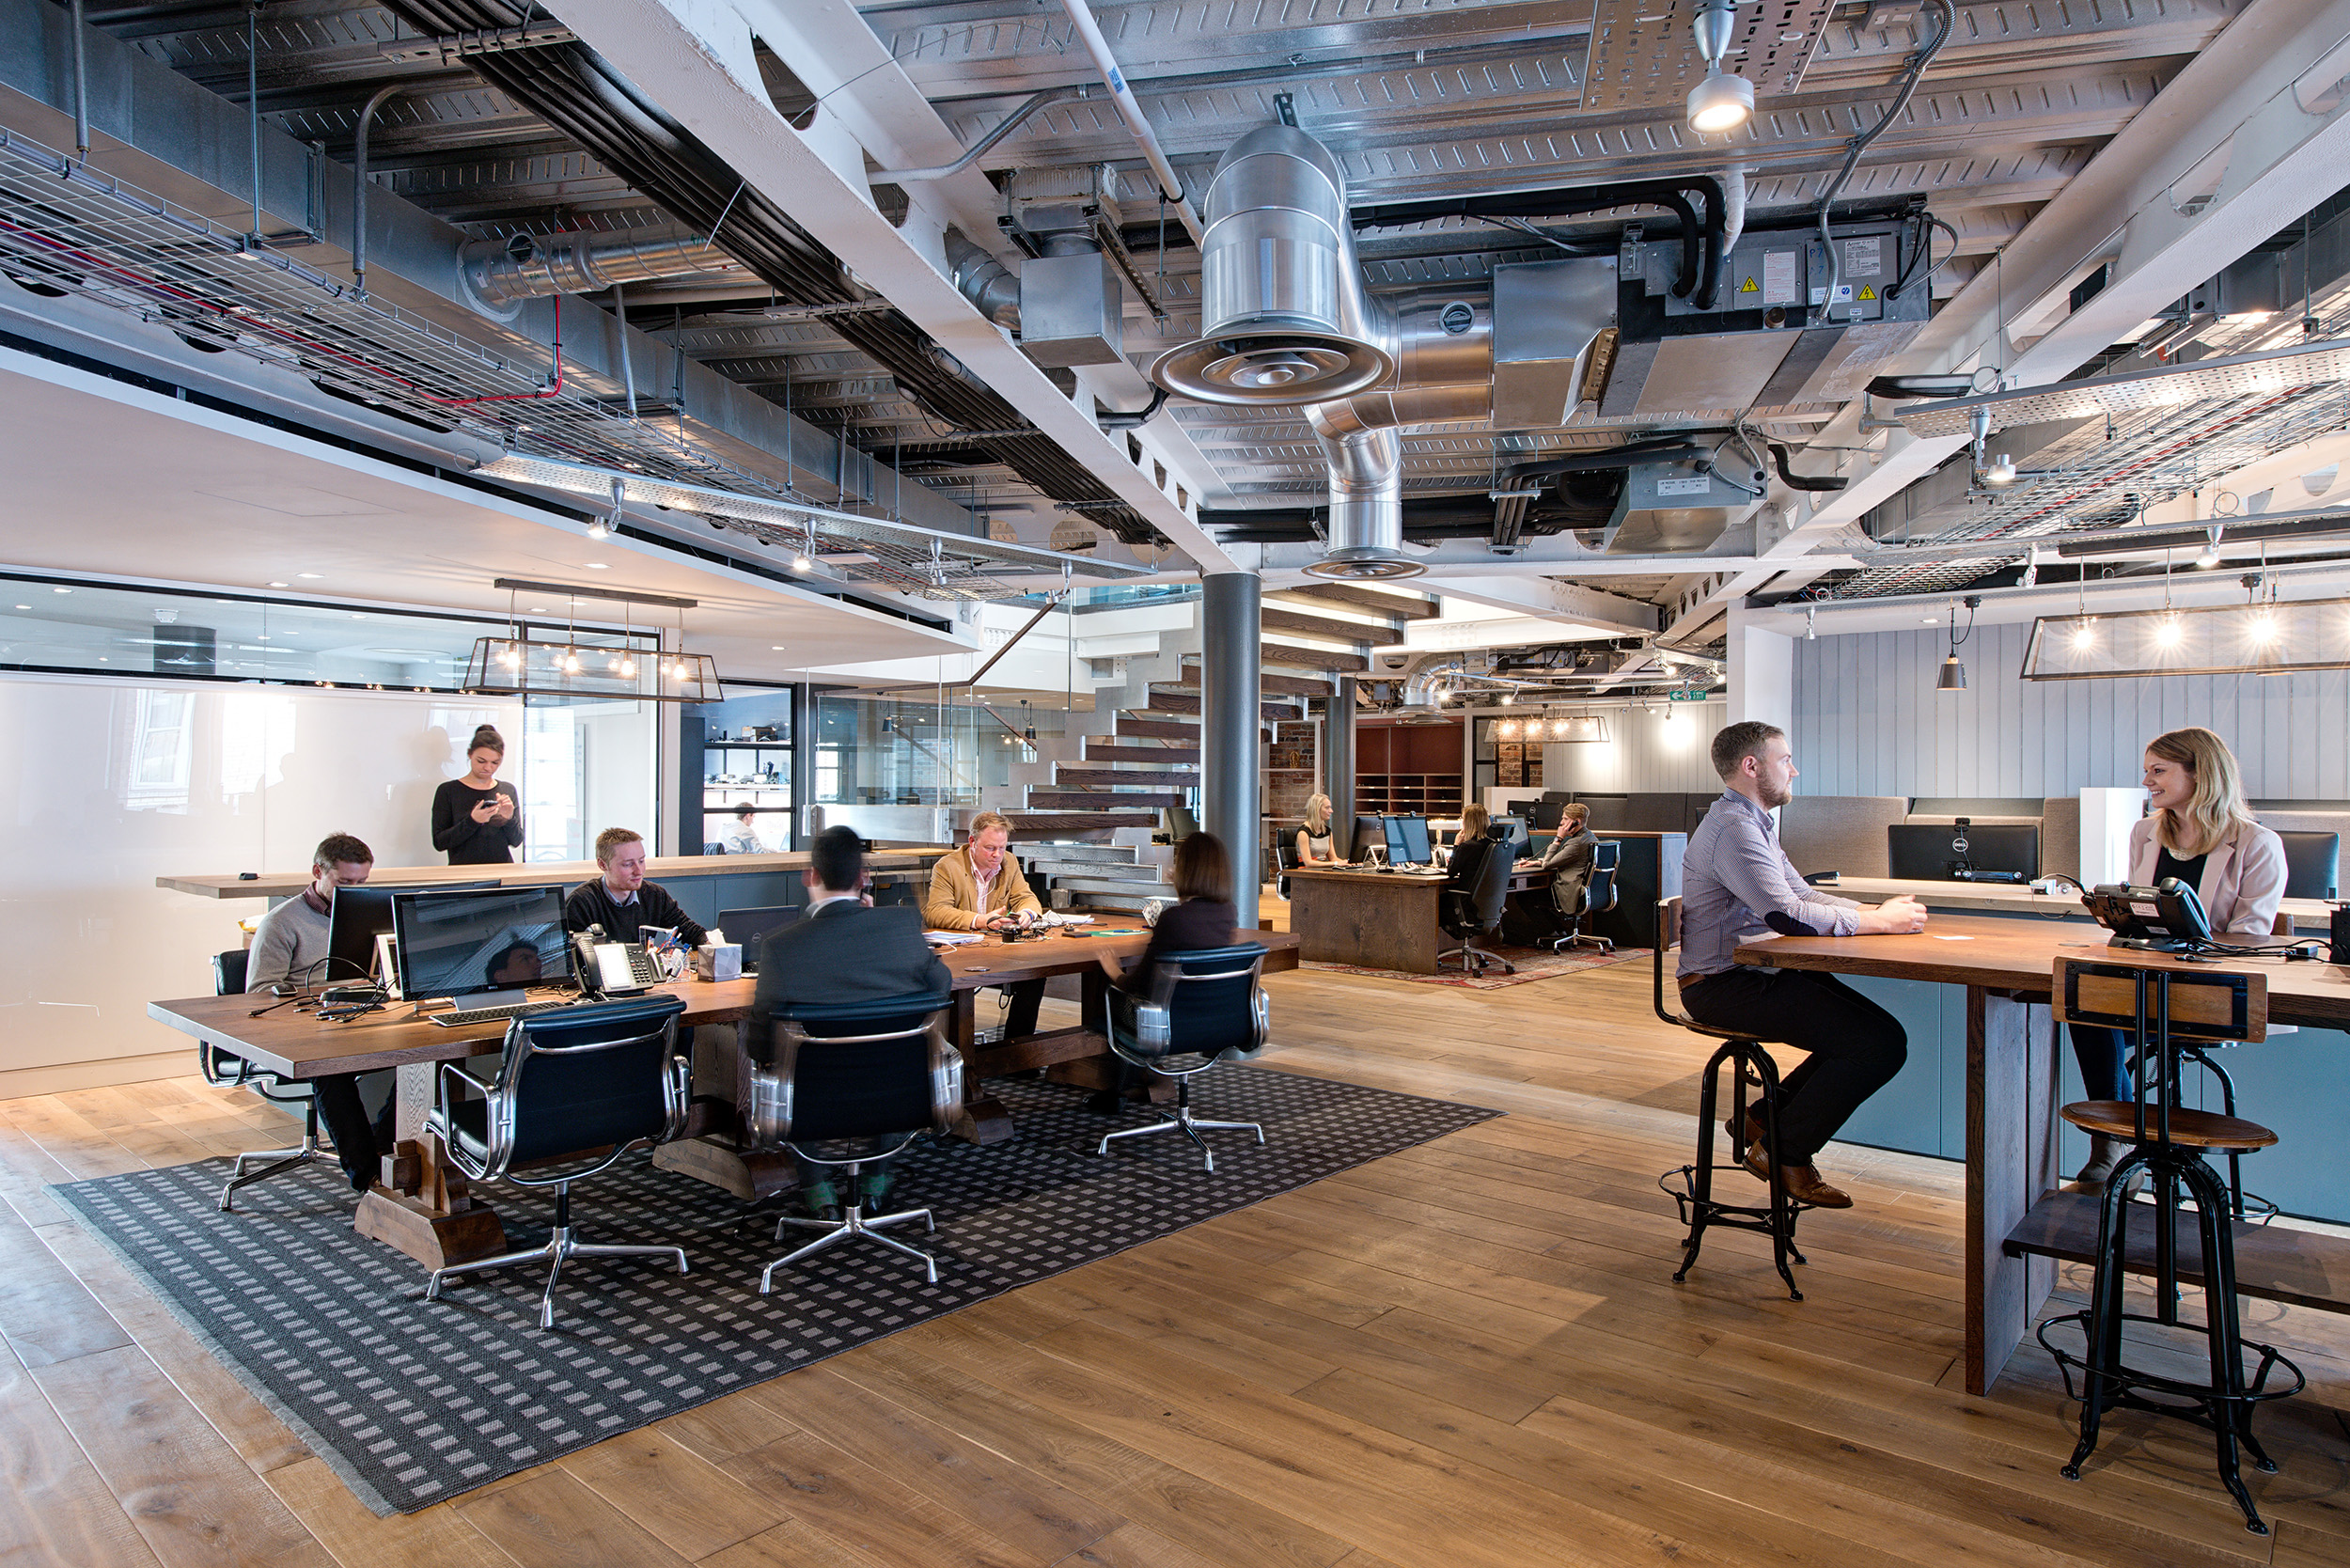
1337	766
1230	700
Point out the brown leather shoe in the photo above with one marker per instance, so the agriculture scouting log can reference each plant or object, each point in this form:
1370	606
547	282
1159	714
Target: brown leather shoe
1805	1186
1804	1183
1754	1129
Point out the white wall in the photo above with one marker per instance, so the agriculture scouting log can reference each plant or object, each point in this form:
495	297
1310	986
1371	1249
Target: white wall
108	785
1643	752
1869	722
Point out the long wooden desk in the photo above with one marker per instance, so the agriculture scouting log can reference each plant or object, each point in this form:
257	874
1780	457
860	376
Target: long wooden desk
2014	1216
1380	919
2010	899
425	1208
284	884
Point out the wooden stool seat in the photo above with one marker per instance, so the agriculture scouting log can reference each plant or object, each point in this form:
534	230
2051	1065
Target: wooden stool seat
2189	1129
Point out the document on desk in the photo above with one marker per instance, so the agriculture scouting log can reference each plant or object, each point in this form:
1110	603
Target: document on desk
1943	936
951	938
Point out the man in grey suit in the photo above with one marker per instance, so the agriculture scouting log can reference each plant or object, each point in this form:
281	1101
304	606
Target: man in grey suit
842	950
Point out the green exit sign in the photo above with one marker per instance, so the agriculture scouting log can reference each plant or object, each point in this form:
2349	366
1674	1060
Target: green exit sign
1688	696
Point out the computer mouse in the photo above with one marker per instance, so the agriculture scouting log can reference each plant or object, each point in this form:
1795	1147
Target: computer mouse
249	876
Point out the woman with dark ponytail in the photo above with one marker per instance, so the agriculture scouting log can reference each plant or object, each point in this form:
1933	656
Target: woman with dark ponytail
477	819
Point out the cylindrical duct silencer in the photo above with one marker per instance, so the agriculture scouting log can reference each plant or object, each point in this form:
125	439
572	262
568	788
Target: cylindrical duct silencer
1284	316
528	267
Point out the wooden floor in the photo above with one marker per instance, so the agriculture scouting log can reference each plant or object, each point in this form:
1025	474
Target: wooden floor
1470	1353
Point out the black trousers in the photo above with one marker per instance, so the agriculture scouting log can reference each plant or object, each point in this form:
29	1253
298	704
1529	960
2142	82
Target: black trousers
1025	996
348	1128
1855	1047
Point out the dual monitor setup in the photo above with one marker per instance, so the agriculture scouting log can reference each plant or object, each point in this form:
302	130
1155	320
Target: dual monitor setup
1405	840
480	941
476	940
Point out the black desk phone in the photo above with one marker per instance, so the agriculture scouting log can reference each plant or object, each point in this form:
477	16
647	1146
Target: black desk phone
618	968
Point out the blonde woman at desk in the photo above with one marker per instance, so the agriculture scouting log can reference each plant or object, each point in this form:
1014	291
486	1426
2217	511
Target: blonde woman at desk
1314	839
2197	829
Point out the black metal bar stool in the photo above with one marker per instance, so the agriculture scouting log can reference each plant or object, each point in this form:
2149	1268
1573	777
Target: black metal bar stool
2164	1008
1751	1067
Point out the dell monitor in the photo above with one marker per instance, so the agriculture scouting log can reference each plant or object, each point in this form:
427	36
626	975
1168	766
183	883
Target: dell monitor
1942	852
490	943
752	927
361	913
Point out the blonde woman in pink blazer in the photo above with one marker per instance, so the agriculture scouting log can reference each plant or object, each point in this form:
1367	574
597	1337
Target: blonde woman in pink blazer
2198	829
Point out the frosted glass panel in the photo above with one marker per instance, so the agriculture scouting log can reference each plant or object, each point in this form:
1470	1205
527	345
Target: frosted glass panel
107	786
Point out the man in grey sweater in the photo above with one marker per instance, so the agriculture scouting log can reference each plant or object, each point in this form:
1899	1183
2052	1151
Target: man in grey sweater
289	944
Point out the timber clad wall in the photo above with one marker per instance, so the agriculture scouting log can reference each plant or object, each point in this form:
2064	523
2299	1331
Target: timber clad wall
1869	722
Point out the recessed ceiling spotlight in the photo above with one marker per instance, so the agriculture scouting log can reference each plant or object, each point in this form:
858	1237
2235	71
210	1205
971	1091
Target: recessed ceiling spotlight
774	647
280	585
1932	622
314	576
599	565
61	591
24	606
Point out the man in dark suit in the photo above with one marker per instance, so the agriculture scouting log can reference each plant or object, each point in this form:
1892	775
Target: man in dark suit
842	950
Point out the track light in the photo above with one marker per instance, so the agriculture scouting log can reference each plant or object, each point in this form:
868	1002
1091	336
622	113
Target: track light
1723	102
601	527
2209	556
1812	625
2001	472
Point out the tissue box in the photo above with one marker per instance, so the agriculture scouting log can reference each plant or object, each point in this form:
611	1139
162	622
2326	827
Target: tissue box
721	963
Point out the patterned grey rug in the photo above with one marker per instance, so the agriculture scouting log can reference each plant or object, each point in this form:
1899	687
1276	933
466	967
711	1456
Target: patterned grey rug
413	1401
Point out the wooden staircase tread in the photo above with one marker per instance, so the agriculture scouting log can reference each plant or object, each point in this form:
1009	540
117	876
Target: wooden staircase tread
1114	778
1408	608
1139	753
1273	617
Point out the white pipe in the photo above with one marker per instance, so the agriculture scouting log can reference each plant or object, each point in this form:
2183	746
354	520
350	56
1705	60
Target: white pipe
1123	96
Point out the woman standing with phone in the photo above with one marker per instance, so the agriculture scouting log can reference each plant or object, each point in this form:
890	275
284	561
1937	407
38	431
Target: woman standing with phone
477	819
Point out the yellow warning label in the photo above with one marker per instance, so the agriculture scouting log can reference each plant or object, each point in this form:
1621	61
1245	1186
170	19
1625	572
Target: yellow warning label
1749	287
1867	293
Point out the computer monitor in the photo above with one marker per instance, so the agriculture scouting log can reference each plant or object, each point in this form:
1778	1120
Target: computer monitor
1923	851
1367	832
360	913
1519	838
490	942
1407	840
752	927
2313	864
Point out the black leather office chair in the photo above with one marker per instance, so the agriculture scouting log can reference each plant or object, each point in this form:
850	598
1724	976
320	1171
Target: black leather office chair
223	1070
1201	1008
1475	913
1578	902
585	1084
870	1071
1285	862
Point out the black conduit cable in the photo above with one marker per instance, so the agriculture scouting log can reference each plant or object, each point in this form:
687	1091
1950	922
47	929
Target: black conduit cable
1798	481
570	86
1917	64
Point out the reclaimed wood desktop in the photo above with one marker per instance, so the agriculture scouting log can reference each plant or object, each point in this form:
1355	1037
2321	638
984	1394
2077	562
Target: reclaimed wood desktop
284	884
2012	1093
428	1211
1379	919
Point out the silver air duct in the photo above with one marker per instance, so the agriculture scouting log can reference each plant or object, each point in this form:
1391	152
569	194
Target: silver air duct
499	271
1284	315
1444	374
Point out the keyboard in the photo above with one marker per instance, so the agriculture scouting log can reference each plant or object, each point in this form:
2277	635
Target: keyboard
466	1017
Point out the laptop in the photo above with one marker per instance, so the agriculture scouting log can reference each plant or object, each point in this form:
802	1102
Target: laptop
752	927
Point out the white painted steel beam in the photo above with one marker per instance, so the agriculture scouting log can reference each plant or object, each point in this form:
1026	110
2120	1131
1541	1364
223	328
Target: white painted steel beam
680	62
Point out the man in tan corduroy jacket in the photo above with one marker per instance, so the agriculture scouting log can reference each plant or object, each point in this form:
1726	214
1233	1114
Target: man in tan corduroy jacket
980	888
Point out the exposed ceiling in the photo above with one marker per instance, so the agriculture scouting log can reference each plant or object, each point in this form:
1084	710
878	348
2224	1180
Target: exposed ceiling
1418	99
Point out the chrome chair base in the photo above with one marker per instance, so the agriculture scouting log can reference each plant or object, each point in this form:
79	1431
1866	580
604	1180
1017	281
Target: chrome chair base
853	1225
1476	961
1580	939
559	1246
282	1161
1181	1120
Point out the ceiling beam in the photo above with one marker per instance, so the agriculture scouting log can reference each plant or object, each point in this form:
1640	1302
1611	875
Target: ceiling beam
1549	599
817	177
